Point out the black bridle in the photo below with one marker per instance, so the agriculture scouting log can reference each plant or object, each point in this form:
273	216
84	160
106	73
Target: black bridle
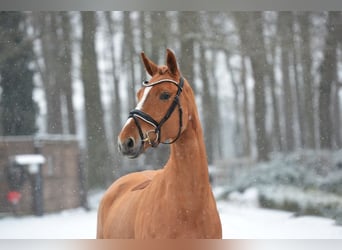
138	114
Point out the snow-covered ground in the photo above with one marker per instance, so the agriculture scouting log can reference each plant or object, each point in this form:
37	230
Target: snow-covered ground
239	220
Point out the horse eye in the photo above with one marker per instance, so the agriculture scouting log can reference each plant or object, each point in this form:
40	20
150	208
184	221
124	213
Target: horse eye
164	96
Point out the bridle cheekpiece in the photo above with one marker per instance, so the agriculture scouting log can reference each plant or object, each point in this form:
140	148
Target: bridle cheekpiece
137	114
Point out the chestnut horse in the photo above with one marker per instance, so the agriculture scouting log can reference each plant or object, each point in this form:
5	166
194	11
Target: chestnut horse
176	201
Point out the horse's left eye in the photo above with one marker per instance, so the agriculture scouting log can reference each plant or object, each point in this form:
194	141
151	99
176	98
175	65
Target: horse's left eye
164	96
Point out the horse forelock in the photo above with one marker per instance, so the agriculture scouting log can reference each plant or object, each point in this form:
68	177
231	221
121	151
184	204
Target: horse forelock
163	69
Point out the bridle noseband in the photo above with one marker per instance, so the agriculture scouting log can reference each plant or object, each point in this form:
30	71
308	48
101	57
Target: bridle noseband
138	114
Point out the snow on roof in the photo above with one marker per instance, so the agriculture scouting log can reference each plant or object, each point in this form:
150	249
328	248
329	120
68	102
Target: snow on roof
28	159
41	137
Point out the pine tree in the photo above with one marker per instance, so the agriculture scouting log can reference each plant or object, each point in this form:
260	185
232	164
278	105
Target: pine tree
18	109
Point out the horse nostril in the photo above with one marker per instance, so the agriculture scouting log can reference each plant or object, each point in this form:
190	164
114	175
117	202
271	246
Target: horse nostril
130	143
127	146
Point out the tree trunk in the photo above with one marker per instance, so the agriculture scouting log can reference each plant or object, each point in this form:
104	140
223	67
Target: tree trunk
298	87
214	83
52	88
143	40
243	78
237	133
66	64
188	22
306	62
99	172
128	59
247	136
336	114
328	73
116	101
17	108
277	141
208	108
337	87
284	31
251	29
159	31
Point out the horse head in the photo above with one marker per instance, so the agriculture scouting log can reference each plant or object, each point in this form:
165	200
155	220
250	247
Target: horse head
161	112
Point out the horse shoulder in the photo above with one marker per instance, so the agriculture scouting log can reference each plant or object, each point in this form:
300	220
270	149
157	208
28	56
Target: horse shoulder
112	194
119	190
148	176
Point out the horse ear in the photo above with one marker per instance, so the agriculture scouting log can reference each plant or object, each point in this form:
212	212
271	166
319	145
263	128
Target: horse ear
150	66
171	62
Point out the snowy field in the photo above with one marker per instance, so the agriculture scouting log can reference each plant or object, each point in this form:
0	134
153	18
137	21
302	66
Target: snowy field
239	221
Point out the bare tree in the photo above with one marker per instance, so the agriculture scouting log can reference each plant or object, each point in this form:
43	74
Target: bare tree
337	87
208	107
66	68
188	28
116	101
298	84
128	58
50	75
251	29
54	64
17	107
160	27
237	131
308	90
328	76
277	135
284	29
243	80
247	135
99	171
336	111
216	114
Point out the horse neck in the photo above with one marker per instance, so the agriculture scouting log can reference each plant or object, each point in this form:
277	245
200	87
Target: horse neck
187	167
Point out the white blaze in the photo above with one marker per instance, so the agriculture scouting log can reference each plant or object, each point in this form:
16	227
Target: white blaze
143	99
141	103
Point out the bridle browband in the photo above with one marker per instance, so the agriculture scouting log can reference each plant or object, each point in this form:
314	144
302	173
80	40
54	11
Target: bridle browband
138	114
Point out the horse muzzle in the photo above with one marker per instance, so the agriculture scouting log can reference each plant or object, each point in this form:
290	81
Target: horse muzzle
129	147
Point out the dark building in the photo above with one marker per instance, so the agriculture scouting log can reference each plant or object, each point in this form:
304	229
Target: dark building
60	174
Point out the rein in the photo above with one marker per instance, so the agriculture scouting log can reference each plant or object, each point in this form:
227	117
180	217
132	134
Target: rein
137	114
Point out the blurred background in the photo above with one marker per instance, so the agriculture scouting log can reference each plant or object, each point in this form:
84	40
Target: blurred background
267	85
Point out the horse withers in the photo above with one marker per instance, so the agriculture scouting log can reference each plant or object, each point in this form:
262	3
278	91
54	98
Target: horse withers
175	201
